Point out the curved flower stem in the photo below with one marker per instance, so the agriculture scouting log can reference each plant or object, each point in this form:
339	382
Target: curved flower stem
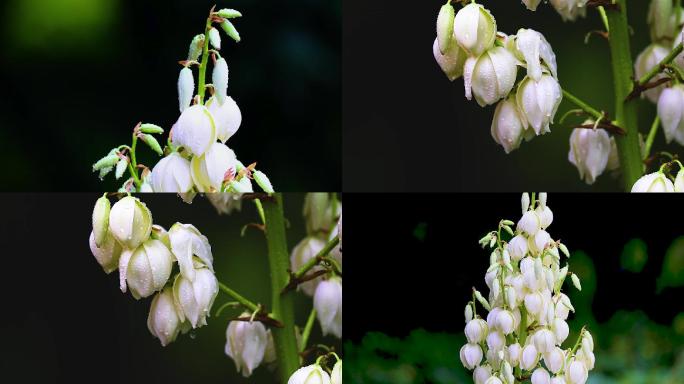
660	66
201	83
282	304
584	106
238	297
318	258
307	329
625	112
651	136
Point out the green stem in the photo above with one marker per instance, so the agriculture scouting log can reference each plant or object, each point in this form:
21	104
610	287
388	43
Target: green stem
307	329
260	209
201	83
661	65
651	136
319	256
584	106
604	18
133	165
625	112
238	297
282	304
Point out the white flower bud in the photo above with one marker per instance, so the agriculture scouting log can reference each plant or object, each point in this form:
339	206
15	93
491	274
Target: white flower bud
490	76
219	78
474	29
195	130
540	376
679	181
130	222
534	303
653	182
538	101
468	313
525	202
535	50
529	223
451	62
589	339
187	241
482	373
471	355
493	380
555	359
246	344
265	184
507	125
496	340
311	374
146	269
647	59
514	353
101	220
107	255
445	27
659	19
569	10
171	174
196	45
507	372
227	117
195	298
215	38
163	321
186	88
560	329
318	212
511	297
531	4
302	252
336	374
589	152
209	170
328	303
491	317
517	247
671	113
544	340
529	357
587	358
476	330
505	322
576	372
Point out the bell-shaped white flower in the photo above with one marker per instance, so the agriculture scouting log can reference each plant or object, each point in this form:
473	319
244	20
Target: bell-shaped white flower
195	298
209	170
496	340
130	222
532	47
328	303
303	252
653	182
336	374
482	373
107	254
538	101
186	242
540	376
589	152
214	38
558	380
576	372
471	355
474	29
311	374
225	203
544	340
555	360
560	329
491	76
445	27
101	220
505	322
529	223
318	212
163	320
671	113
219	78
569	10
507	125
227	117
186	88
493	380
531	4
146	269
679	181
517	247
452	60
659	19
171	174
195	130
246	344
647	59
514	353
476	330
529	357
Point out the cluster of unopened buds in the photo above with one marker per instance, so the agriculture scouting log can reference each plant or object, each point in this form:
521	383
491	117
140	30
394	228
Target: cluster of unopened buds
469	45
197	158
527	312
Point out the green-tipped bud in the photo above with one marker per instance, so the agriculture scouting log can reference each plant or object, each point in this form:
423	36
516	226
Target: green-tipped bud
230	30
152	143
229	13
576	282
101	220
215	38
106	162
121	168
150	128
196	47
445	26
263	181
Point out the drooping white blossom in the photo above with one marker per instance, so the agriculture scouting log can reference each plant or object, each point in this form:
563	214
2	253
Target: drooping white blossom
538	102
146	269
219	79
171	174
647	59
311	374
209	170
328	303
445	28
589	152
163	320
507	125
195	298
130	222
246	343
195	130
653	182
474	29
227	117
452	60
491	76
671	113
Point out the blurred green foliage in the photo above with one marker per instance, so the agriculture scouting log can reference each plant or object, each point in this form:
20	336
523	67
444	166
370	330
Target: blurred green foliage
634	255
672	274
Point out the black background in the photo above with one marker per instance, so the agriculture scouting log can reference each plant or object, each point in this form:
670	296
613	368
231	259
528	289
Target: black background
399	283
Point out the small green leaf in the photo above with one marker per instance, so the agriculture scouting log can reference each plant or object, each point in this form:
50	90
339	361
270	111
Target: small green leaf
152	143
150	128
105	162
229	13
230	30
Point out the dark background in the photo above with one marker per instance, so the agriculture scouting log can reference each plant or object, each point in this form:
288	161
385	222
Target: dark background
407	128
64	320
77	75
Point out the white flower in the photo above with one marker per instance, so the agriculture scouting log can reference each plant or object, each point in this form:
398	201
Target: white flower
493	380
187	241
476	330
474	29
659	19
107	254
328	303
529	223
531	4
246	344
311	374
576	372
507	125
318	212
541	240
219	78
679	60
146	269
555	359
538	101
186	88
589	152
482	373
195	130
653	182
195	298
647	59
544	340
671	112
514	353
586	357
163	321
517	247
569	10
471	355
558	380
130	222
535	50
101	220
490	76
336	374
227	117
452	60
545	216
560	329
540	376
529	357
302	252
171	174
679	181
215	38
505	321
445	28
262	181
225	203
209	170
496	340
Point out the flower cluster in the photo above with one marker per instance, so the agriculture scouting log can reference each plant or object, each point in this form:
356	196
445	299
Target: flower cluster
124	237
197	158
469	45
569	10
527	312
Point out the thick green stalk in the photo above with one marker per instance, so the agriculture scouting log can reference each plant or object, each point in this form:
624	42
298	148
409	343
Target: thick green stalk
625	112
205	60
282	304
133	165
